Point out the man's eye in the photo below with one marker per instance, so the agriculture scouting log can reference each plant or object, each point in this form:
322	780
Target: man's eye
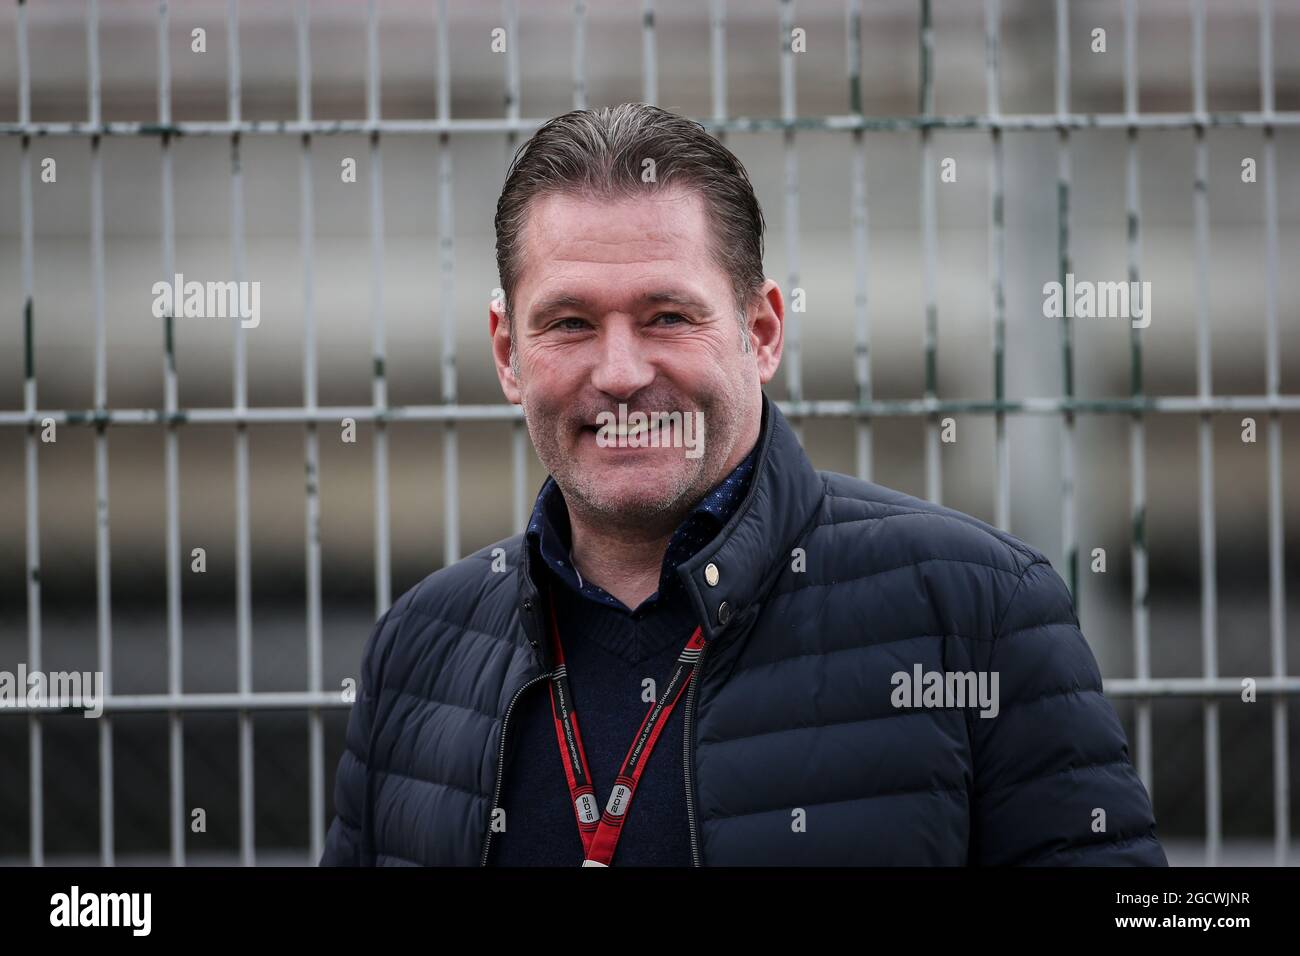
575	328
672	315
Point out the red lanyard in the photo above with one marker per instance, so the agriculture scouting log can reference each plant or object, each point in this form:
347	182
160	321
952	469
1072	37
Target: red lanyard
600	831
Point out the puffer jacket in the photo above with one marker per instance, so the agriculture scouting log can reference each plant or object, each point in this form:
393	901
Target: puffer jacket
802	743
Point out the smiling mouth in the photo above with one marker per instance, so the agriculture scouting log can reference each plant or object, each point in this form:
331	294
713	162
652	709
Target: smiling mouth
623	432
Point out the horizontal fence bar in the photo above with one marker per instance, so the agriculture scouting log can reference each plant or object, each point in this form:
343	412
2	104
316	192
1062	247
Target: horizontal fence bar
1123	687
1002	121
159	703
878	408
1131	687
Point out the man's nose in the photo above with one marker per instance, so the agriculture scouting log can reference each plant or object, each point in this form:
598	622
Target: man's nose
622	366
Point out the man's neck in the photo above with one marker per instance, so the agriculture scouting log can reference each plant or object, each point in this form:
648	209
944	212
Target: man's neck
624	563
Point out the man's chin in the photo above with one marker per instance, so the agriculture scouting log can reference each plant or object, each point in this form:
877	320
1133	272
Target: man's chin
629	496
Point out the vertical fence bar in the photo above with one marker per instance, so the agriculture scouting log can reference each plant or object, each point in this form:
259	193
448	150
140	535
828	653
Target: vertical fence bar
793	319
447	310
929	240
997	262
311	439
446	242
518	432
718	61
171	457
579	54
860	219
36	773
1069	534
718	87
103	572
1137	423
442	82
1273	357
379	382
650	69
1205	436
243	577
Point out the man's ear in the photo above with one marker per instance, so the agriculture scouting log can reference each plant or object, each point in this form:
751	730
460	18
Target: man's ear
766	329
499	330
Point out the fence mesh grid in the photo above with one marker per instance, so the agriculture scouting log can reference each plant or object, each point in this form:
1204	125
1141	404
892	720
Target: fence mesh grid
862	410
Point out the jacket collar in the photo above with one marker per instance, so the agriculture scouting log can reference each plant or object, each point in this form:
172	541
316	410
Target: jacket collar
747	554
752	548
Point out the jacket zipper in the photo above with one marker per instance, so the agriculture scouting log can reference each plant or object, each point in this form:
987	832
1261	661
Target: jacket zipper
686	757
686	752
501	762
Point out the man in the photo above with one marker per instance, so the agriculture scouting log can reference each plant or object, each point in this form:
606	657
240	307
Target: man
771	665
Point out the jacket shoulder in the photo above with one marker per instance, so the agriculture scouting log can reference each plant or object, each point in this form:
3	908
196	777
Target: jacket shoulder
485	577
902	529
474	596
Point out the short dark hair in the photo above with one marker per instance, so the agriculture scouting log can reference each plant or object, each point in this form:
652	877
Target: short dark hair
602	154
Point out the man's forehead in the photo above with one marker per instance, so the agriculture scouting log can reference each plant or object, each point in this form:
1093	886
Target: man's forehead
588	230
657	244
669	202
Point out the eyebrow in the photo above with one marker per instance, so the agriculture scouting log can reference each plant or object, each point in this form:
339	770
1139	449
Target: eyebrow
565	300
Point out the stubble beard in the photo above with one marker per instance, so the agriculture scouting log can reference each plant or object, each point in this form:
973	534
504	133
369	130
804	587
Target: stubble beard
657	507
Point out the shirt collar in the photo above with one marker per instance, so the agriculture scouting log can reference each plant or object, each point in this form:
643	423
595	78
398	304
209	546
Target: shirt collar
550	535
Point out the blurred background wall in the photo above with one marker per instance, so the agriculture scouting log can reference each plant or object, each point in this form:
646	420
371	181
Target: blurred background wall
414	311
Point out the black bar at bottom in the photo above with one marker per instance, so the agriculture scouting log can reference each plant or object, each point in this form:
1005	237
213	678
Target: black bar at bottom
305	905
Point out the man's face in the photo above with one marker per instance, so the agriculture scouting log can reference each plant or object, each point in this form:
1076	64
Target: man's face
621	302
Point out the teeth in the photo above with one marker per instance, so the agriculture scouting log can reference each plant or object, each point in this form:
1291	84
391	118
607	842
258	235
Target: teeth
629	430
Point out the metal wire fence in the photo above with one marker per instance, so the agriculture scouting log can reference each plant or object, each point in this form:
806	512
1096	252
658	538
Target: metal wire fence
863	409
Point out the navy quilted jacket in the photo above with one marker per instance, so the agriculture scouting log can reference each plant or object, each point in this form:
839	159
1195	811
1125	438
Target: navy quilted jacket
798	749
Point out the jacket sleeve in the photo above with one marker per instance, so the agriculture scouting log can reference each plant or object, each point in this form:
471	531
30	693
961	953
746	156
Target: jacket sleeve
1054	785
343	841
